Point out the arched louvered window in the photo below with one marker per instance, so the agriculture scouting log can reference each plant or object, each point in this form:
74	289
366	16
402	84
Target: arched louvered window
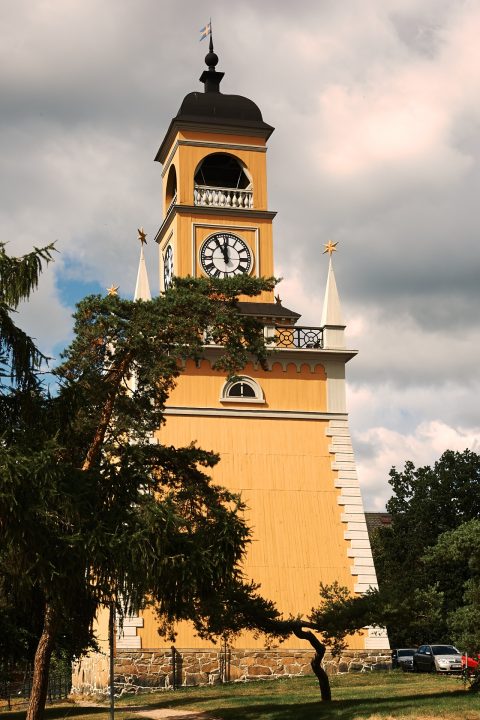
242	389
222	180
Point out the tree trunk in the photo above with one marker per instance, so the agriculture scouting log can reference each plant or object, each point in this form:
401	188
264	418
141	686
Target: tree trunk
114	378
41	666
316	663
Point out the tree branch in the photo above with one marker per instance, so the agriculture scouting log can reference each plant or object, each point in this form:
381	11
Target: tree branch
114	378
316	663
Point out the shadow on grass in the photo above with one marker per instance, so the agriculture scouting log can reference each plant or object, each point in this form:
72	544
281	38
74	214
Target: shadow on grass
345	709
315	710
65	710
252	707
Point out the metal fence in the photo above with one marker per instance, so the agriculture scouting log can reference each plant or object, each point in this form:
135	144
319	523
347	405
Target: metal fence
298	336
16	686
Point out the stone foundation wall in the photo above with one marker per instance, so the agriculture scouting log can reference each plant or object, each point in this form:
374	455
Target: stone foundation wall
141	670
90	675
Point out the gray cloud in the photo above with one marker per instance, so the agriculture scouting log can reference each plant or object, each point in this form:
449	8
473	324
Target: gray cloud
376	110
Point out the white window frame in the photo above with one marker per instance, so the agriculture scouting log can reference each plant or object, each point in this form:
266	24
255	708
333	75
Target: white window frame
258	398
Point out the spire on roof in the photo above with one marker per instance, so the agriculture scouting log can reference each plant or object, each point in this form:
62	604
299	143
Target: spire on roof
142	288
332	320
211	78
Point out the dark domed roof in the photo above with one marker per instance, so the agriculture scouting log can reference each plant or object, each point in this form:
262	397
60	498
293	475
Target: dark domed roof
215	105
212	107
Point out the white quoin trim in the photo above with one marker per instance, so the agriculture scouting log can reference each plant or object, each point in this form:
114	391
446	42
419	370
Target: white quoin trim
353	517
126	636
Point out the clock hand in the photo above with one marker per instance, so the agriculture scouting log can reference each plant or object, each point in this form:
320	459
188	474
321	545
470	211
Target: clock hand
225	251
222	248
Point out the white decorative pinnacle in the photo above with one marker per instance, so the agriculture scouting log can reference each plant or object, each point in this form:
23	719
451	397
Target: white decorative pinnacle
142	288
332	318
332	311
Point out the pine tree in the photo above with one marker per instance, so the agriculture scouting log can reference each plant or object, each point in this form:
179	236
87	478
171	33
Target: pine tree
19	356
93	512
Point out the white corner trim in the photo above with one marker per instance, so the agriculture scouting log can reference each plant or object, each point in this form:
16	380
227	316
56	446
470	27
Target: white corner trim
126	636
353	517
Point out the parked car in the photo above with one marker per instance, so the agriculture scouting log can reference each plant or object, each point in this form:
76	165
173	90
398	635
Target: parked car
403	658
437	658
472	663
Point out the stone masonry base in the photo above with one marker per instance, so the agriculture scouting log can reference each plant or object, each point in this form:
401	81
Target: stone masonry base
141	670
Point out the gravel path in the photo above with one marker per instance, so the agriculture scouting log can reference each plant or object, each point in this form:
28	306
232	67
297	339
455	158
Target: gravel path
171	714
155	714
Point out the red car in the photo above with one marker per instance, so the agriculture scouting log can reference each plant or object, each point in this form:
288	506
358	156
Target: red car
470	662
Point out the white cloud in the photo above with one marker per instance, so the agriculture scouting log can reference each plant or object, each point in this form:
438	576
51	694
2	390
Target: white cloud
45	318
402	116
389	448
376	108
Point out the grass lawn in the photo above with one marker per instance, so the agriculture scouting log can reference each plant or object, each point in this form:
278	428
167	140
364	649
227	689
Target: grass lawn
379	696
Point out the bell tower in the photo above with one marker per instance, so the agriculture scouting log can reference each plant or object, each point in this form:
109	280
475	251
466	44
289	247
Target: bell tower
282	432
216	217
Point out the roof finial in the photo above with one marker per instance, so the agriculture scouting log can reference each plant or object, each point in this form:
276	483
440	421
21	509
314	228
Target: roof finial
332	320
142	235
330	247
211	78
211	58
142	287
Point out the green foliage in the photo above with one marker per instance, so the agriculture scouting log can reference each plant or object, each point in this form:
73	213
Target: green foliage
20	627
339	615
92	511
464	622
438	498
461	547
427	502
19	356
429	580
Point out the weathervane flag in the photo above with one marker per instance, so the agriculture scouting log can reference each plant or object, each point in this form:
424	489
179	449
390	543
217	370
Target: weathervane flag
206	31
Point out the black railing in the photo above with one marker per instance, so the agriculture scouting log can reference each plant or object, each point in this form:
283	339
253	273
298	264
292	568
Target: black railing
16	686
297	336
292	336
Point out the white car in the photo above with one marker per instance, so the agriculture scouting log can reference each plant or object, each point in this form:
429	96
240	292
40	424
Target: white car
437	658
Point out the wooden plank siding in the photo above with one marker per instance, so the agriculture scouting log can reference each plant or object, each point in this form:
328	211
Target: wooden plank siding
283	469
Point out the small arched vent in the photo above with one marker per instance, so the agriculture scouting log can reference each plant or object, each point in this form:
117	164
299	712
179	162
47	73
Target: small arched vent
242	389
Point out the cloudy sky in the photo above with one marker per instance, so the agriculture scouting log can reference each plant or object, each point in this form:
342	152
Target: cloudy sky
376	105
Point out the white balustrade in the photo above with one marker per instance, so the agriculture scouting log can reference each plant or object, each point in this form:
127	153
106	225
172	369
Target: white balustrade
223	197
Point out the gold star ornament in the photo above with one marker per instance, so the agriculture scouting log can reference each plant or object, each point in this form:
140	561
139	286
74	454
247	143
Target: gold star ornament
113	290
330	247
142	236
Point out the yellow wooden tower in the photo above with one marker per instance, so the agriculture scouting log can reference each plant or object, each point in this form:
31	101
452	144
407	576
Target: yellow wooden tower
282	433
215	187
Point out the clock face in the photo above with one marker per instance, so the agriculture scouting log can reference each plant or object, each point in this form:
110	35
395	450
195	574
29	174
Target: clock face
224	255
168	267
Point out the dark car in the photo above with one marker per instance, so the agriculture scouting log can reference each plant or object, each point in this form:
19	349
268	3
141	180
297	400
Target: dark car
437	658
403	658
